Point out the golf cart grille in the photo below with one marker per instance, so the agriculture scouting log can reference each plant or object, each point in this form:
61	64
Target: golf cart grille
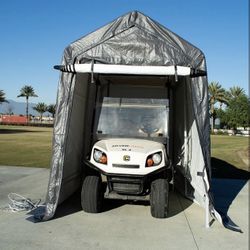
125	166
126	185
126	188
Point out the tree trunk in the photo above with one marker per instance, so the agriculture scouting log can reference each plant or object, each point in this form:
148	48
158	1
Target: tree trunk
213	123
212	115
27	108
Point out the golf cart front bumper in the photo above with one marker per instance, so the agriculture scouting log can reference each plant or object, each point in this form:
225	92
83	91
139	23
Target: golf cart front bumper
127	183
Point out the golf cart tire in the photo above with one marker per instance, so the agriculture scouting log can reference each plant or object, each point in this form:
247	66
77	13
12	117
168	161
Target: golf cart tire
159	198
92	195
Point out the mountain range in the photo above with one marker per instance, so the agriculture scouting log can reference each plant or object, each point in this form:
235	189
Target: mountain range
18	108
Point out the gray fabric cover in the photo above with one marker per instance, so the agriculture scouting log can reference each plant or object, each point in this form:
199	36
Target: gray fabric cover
132	39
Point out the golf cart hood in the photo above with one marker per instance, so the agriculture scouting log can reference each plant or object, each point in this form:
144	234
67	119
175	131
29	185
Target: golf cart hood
133	145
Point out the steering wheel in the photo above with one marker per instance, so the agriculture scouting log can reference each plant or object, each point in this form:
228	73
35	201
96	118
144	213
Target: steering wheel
149	130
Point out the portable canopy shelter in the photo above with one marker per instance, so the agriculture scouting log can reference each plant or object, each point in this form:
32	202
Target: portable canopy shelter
132	44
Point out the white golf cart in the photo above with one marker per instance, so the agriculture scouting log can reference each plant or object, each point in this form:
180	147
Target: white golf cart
130	151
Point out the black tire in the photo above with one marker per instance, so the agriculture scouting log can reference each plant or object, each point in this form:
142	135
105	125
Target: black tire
92	195
159	198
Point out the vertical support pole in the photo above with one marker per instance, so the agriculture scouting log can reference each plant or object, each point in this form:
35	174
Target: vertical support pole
171	128
92	71
207	211
175	73
186	146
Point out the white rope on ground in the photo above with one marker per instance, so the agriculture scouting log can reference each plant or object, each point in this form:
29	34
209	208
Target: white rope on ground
19	203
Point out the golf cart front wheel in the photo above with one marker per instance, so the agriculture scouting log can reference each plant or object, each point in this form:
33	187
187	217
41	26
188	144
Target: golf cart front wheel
92	195
159	196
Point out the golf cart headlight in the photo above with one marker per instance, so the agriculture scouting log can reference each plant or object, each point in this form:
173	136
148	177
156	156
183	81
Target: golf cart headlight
100	157
154	159
157	158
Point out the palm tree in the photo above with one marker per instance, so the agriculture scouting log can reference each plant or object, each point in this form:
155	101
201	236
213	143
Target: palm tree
223	99
27	92
216	94
2	97
52	109
41	108
235	92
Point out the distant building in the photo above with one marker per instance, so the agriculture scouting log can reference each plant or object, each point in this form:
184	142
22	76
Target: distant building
10	119
45	119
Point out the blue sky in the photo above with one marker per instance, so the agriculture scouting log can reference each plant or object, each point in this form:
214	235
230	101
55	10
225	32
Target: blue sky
35	33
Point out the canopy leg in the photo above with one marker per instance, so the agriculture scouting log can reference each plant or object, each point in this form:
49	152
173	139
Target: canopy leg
207	224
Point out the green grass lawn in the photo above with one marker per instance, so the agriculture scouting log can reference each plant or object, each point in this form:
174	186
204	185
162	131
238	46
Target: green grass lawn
231	149
25	146
31	147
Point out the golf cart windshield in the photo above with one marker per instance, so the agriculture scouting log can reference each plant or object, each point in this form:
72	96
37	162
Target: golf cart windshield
130	117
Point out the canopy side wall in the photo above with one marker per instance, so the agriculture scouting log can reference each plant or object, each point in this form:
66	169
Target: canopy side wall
59	132
199	92
73	168
188	154
65	173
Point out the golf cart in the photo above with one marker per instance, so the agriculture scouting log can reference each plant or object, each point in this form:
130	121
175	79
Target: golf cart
129	155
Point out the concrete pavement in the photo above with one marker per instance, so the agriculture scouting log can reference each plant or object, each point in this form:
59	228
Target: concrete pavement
122	225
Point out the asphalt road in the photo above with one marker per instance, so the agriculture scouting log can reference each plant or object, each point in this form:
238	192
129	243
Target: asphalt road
123	225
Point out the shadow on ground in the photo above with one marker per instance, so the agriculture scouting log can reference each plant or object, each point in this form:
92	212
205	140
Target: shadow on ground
225	191
227	182
225	170
177	204
18	131
73	205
